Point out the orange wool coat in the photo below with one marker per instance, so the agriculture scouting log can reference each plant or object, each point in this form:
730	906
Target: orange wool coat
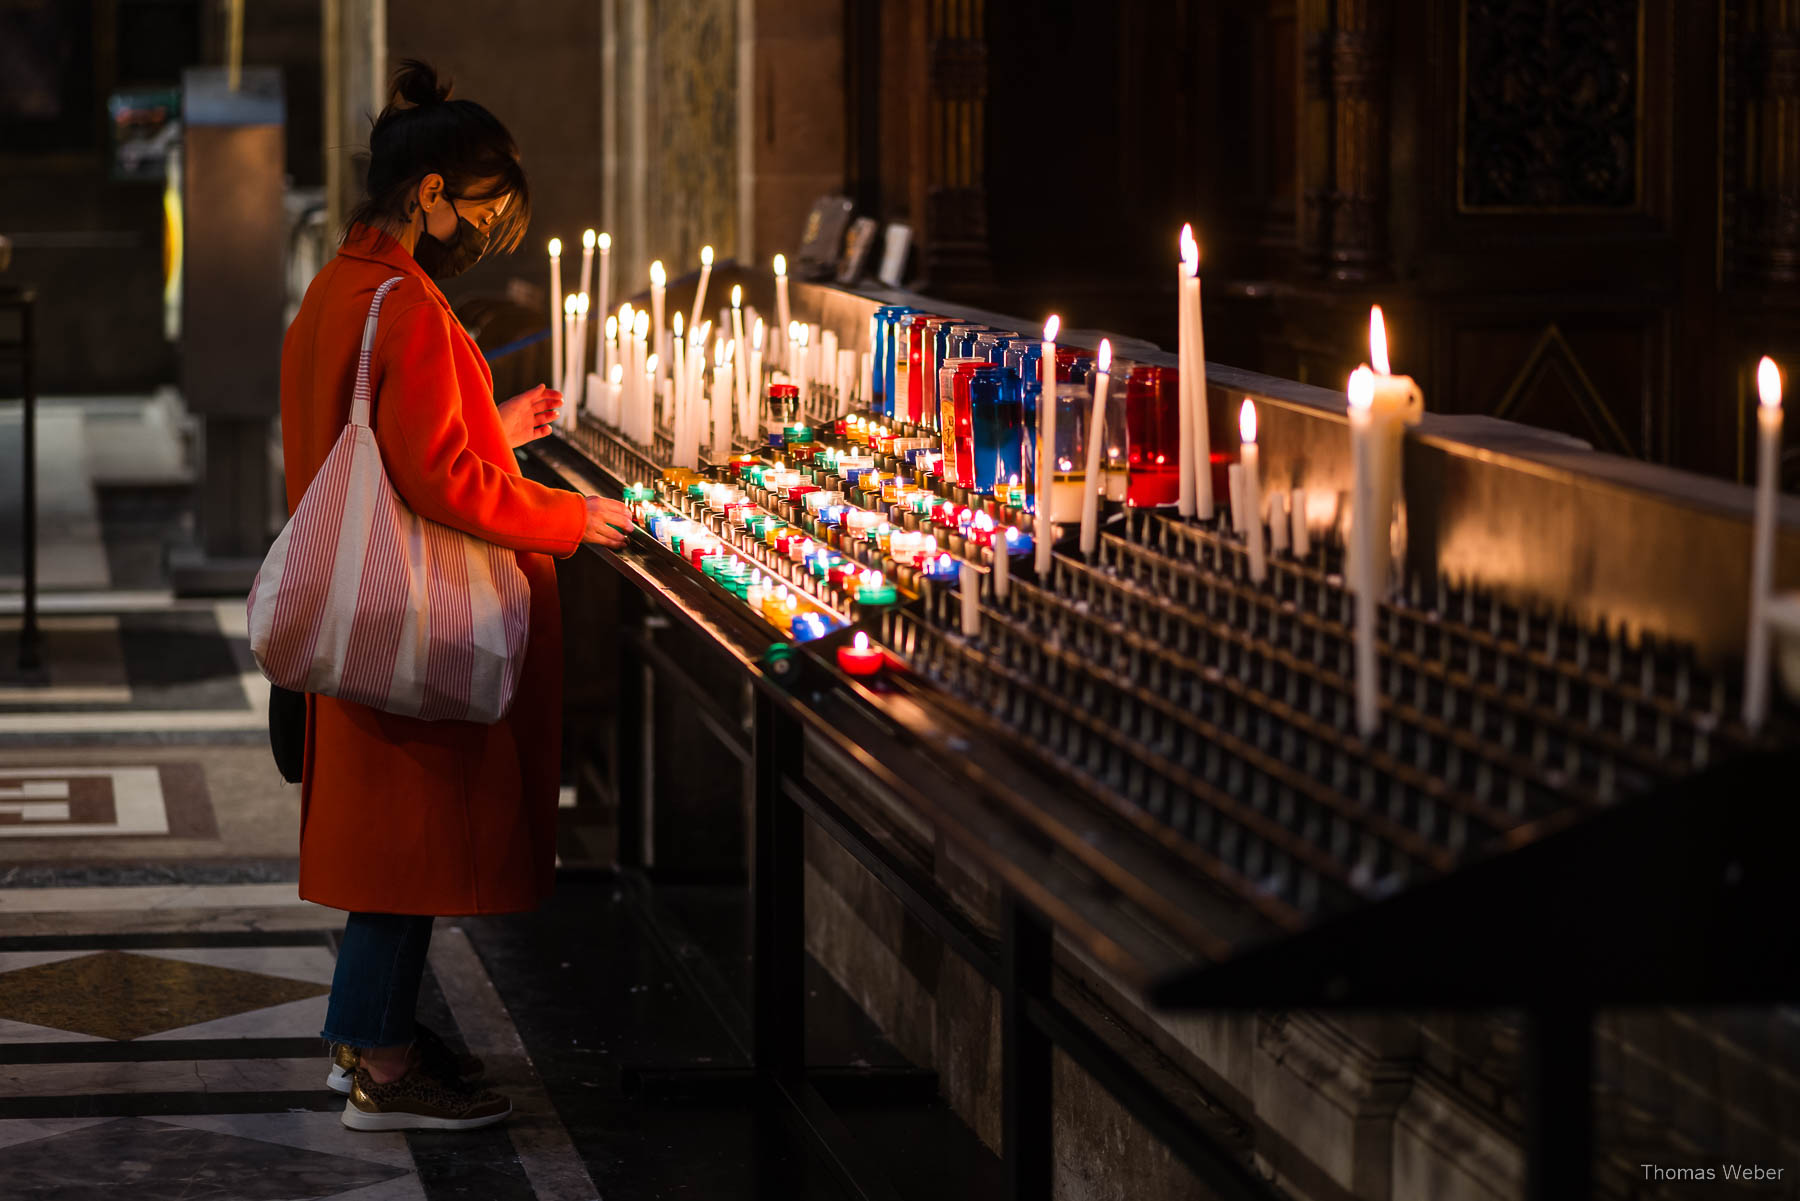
399	815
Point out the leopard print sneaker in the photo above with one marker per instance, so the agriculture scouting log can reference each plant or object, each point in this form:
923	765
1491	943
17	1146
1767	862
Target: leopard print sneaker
420	1101
437	1056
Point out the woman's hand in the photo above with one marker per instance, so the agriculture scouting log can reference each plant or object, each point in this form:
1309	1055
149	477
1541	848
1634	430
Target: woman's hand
527	416
608	522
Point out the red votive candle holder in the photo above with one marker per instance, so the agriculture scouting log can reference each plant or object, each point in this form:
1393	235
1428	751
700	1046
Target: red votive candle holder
859	658
1153	436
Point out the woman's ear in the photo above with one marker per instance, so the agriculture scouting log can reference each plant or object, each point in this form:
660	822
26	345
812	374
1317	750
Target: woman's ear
431	190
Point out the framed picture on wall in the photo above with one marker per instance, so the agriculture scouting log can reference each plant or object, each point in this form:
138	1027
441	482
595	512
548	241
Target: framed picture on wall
822	241
858	243
893	254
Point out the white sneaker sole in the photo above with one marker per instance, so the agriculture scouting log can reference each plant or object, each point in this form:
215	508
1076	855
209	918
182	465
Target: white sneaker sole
338	1081
356	1119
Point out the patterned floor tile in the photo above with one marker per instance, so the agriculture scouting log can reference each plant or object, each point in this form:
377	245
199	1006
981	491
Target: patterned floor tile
150	1160
125	995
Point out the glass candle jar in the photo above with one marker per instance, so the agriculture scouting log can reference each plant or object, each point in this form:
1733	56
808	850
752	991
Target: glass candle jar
1153	435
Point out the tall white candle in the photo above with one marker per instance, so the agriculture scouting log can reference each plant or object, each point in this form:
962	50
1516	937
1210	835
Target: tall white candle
586	289
754	393
604	242
1046	447
1365	526
568	341
1762	545
1397	402
578	376
556	329
739	377
1201	422
609	347
615	395
706	260
640	338
968	584
1234	478
1185	266
659	282
1302	534
678	397
1278	522
721	400
1249	459
783	316
1002	563
1096	433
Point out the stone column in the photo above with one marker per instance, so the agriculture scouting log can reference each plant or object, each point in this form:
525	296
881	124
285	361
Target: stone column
1356	242
355	59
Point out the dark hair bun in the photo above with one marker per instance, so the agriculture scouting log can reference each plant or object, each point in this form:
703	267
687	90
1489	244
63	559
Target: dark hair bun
416	85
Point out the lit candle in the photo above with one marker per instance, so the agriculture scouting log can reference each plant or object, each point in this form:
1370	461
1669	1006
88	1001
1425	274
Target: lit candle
1365	526
556	328
1234	482
609	347
1762	544
1185	361
578	377
640	334
706	258
806	367
659	281
968	584
1396	402
1248	458
615	393
605	243
678	395
753	387
721	399
1090	497
859	658
739	382
783	317
1046	446
568	342
587	260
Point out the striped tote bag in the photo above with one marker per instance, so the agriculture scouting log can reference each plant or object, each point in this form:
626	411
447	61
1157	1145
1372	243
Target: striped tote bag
362	599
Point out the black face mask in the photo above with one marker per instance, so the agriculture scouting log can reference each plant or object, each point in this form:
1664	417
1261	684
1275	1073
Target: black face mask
442	260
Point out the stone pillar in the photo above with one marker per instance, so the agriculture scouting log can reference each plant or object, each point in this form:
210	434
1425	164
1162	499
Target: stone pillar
355	59
955	238
1356	216
1770	43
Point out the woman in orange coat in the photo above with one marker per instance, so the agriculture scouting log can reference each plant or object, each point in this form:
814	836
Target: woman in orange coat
401	818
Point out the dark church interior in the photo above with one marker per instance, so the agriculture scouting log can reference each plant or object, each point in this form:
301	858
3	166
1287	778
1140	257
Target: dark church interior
899	600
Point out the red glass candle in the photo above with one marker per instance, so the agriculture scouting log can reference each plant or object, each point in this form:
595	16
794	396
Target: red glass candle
1153	436
915	361
965	422
858	657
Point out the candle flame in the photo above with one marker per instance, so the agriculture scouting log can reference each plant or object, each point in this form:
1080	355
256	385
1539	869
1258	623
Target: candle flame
1012	481
1105	356
781	264
861	641
612	328
650	366
605	241
1051	326
618	373
737	296
983	521
641	326
658	276
943	561
1362	388
1012	533
677	325
581	305
706	256
718	353
1247	421
625	315
587	239
569	305
1768	383
1190	251
756	335
805	336
556	248
1378	350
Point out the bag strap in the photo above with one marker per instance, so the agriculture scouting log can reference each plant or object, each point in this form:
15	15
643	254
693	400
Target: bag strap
359	403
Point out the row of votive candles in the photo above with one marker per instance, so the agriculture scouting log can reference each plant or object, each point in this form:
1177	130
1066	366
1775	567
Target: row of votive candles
979	387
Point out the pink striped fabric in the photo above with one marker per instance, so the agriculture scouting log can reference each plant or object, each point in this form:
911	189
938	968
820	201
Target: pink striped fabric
362	599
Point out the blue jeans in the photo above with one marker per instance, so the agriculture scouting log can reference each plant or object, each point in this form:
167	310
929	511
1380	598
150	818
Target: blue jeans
376	985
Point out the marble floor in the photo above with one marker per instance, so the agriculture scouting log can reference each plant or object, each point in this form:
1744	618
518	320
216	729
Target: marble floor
162	985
